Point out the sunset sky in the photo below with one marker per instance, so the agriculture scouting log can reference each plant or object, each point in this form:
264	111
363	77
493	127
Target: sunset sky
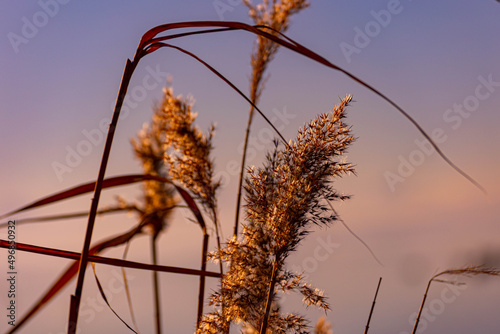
60	68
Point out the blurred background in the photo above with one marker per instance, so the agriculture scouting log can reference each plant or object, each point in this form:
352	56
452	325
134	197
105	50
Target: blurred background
60	70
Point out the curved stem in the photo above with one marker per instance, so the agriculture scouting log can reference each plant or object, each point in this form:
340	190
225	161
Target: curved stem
75	299
242	171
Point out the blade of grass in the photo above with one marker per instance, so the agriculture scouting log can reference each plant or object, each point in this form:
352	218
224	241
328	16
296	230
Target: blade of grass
107	260
103	295
115	241
76	297
86	188
64	279
156	45
127	289
107	183
72	270
69	216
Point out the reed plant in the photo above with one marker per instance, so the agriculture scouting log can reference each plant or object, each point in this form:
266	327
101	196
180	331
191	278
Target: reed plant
285	197
274	15
187	154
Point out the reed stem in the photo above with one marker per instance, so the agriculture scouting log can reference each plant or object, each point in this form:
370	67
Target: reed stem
373	306
421	307
156	284
270	297
76	298
201	293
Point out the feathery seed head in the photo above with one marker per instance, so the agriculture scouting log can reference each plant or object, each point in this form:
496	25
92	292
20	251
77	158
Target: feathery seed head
283	199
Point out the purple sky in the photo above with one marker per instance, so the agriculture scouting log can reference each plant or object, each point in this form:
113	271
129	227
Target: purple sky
60	70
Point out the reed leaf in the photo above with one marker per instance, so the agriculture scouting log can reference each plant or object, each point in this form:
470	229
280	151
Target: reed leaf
72	270
70	215
103	295
86	188
106	260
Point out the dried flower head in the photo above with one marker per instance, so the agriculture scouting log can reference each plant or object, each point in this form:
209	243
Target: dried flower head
158	197
187	149
284	197
467	271
276	15
323	327
187	154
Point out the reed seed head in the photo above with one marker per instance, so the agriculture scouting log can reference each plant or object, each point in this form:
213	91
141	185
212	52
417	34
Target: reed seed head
284	198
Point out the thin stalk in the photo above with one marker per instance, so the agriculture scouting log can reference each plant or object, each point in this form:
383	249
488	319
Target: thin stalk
156	284
255	88
127	290
201	293
373	306
221	268
269	301
242	171
76	298
421	306
217	234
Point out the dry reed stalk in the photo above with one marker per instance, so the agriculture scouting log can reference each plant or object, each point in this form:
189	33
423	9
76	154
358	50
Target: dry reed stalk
284	198
191	167
201	289
373	307
156	285
148	148
187	154
76	297
275	15
467	271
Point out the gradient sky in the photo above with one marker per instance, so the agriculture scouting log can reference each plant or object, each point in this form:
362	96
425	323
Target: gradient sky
430	57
